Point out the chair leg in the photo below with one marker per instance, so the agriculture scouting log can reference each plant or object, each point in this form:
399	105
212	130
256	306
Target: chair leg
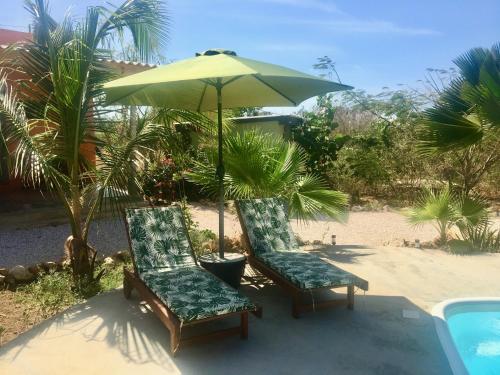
350	297
127	286
244	325
258	312
175	340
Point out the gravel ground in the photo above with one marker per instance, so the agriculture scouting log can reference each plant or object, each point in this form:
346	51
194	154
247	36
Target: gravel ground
371	229
42	244
362	228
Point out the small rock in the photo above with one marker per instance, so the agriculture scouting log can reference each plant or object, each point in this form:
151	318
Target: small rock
2	280
108	260
4	271
35	269
50	266
20	273
317	242
10	282
356	208
386	208
122	256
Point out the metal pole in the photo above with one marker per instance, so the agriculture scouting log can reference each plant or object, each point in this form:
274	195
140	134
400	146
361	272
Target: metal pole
220	169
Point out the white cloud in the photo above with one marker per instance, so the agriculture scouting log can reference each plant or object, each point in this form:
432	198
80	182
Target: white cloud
338	20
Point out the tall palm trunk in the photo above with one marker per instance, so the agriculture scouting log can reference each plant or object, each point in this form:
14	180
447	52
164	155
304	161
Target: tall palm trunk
78	251
64	61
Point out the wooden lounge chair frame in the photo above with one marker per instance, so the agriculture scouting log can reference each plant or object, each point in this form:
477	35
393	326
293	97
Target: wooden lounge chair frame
131	280
293	290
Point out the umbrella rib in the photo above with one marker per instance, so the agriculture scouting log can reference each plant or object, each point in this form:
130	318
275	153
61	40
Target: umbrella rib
231	80
275	90
128	94
202	96
211	83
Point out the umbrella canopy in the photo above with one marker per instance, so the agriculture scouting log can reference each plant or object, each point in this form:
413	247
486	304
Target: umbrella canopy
191	84
217	79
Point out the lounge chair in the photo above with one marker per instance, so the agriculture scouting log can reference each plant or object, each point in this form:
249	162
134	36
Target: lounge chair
275	253
167	276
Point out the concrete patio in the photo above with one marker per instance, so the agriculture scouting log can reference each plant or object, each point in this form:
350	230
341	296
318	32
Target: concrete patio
389	332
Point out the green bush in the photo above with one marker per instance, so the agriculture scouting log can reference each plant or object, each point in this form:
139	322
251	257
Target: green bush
159	182
475	239
446	210
271	167
53	292
316	136
50	293
201	239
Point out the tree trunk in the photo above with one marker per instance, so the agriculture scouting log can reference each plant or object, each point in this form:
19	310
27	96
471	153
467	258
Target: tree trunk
82	258
443	233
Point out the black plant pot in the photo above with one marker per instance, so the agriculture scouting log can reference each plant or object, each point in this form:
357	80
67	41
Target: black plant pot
230	269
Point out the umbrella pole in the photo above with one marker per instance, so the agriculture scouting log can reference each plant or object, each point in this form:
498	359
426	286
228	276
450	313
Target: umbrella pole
220	169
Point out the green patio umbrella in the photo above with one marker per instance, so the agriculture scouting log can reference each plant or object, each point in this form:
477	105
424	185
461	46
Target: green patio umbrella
217	79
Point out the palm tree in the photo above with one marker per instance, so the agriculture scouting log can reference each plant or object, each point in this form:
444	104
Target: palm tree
445	210
469	109
55	113
258	166
465	121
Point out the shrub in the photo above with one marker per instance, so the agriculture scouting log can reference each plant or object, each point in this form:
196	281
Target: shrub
159	182
480	238
271	167
53	292
202	241
50	293
469	215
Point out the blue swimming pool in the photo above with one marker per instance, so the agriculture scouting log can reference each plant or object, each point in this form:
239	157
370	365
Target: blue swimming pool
473	335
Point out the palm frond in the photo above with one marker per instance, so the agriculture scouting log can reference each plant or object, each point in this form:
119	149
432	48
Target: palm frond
471	210
469	110
259	165
34	160
313	200
146	20
433	206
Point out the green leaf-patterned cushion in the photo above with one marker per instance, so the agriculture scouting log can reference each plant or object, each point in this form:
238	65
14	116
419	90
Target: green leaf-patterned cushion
266	222
158	238
193	293
307	271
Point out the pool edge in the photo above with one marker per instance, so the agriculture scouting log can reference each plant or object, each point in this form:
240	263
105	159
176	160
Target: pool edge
438	313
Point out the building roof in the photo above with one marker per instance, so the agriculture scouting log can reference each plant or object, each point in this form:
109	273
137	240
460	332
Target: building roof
11	36
292	120
126	68
123	67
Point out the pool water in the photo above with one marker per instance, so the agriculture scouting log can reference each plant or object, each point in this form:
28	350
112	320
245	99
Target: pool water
475	329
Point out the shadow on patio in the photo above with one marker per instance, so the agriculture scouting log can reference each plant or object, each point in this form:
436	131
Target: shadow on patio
345	253
110	334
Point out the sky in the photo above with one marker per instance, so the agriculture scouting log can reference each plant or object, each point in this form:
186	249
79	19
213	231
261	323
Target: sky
374	43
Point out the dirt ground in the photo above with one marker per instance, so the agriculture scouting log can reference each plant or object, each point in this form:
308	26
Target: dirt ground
14	317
